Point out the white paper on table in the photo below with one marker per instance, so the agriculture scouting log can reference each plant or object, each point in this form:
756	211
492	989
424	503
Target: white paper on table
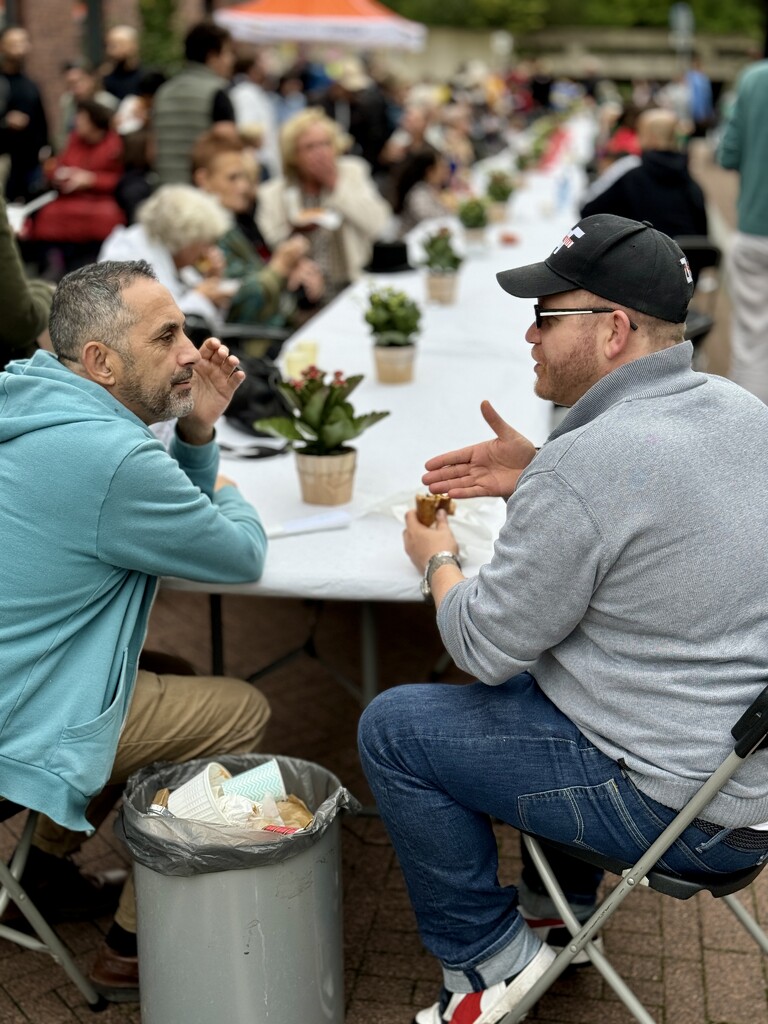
333	519
473	534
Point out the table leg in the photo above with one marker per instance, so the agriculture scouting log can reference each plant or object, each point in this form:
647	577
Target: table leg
369	684
217	635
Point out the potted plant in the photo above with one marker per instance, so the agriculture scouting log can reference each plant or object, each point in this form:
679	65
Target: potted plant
499	188
323	422
473	214
442	263
394	319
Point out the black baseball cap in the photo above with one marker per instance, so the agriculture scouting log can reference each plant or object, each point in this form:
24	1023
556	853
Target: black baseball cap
624	261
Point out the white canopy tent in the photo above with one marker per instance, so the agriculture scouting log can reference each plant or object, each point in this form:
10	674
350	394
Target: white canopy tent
364	24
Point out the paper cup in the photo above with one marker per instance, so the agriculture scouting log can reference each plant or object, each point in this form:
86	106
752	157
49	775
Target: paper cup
196	799
263	780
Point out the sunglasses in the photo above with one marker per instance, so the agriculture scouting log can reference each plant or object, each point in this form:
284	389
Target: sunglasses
540	313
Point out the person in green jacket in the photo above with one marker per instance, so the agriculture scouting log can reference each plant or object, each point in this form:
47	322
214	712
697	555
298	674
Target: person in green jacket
26	303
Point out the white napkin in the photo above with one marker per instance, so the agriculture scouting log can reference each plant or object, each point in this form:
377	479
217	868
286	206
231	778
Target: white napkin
472	524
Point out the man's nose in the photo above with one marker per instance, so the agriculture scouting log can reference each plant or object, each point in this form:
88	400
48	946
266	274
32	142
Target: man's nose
532	334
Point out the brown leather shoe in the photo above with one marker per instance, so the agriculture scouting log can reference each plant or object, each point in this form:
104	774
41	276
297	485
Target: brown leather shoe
115	977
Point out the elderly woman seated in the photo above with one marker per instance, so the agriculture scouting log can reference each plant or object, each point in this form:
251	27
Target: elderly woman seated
330	198
175	232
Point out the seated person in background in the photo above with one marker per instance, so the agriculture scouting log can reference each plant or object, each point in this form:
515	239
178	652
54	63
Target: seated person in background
85	173
420	188
93	511
80	83
609	667
661	188
176	231
317	179
280	291
25	304
132	122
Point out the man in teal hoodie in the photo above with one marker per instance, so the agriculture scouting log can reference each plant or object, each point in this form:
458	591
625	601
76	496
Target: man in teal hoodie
94	510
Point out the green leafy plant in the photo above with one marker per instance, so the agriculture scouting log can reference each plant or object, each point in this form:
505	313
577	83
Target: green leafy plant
440	254
393	316
473	213
500	186
324	420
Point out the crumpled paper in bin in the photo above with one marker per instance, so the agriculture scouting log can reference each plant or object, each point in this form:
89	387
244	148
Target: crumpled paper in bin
179	846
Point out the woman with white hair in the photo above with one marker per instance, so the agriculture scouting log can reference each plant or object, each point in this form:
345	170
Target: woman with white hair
176	231
330	198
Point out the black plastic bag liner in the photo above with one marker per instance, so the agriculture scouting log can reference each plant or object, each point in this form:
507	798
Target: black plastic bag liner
179	846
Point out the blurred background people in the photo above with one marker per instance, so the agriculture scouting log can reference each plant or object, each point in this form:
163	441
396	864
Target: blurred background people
330	197
133	123
281	290
420	185
660	189
122	72
255	108
85	173
193	100
744	148
24	128
80	83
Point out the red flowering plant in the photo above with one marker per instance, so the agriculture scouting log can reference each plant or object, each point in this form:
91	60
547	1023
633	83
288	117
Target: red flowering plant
323	420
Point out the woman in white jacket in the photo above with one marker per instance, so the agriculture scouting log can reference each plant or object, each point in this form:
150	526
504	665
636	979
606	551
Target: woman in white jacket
330	197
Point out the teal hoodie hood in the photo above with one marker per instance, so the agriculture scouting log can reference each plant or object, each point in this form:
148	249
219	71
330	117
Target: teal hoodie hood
94	510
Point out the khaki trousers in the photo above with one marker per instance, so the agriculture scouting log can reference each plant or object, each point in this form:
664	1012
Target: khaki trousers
171	718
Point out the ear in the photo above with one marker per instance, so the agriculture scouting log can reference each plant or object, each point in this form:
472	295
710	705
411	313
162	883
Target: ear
199	177
617	343
98	361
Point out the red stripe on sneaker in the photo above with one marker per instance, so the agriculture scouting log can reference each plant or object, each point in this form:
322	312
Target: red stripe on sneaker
468	1010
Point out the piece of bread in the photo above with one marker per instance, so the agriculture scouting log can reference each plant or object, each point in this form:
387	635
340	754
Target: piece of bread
428	505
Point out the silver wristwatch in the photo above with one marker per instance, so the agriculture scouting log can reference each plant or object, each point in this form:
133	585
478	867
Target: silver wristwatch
441	558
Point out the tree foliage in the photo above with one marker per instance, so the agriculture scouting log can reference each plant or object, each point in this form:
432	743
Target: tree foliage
711	16
161	42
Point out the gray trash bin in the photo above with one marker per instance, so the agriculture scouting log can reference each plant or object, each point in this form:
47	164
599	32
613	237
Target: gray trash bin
233	924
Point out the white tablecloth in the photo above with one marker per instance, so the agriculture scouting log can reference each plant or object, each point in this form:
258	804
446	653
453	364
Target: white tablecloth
467	352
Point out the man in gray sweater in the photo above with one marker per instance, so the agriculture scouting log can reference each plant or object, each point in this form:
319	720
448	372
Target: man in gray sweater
617	633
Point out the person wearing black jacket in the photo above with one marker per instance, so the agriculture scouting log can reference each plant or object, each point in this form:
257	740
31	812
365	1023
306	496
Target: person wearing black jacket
661	189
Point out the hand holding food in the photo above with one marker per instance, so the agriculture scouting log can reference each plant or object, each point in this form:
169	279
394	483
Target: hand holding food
428	505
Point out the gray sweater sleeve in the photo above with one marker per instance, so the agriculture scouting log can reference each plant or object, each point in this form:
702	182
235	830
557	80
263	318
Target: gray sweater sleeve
549	557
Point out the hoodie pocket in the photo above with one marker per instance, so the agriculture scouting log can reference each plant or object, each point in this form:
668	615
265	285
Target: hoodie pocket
86	752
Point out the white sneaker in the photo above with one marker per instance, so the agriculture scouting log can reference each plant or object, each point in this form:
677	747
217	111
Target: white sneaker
491	1004
554	932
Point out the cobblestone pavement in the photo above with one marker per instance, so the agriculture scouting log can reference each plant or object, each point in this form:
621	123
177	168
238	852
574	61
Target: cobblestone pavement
689	962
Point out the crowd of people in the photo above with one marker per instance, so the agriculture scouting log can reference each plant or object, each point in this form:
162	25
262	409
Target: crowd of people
227	192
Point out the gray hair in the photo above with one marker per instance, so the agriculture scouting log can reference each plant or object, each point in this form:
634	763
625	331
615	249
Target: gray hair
181	215
88	306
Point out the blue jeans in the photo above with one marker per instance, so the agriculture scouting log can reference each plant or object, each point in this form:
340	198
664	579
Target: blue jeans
443	760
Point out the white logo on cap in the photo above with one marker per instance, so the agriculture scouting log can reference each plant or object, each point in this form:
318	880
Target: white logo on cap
569	239
687	269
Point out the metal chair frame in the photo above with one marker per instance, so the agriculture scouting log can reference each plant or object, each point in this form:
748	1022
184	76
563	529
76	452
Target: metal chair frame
44	938
751	734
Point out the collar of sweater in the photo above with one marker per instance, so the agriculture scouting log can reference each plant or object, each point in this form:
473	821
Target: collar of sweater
661	373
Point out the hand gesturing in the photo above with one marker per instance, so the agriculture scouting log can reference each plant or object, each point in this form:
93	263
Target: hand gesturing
488	469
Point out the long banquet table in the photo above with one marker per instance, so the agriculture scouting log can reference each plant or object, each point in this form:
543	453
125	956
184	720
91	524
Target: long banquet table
467	352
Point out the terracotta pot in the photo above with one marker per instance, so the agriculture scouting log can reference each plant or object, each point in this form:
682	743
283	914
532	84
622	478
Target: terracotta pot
394	363
497	212
441	286
327	479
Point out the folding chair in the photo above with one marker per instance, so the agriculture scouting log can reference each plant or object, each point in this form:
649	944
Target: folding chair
44	938
750	734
